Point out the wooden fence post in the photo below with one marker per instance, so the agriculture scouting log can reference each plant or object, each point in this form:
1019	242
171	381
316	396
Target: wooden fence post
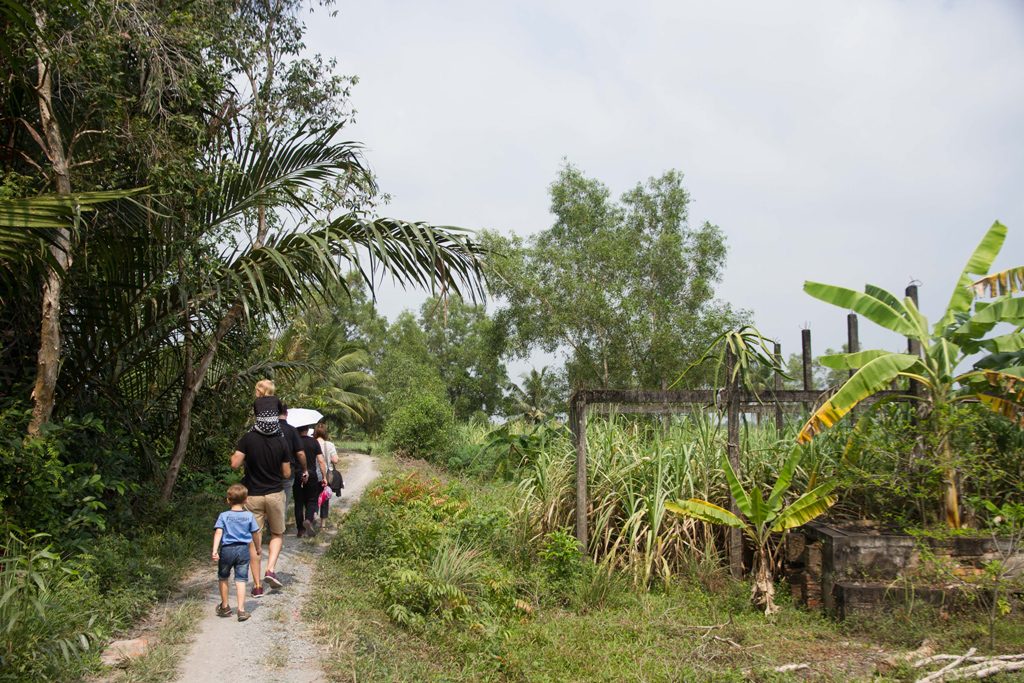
805	357
779	422
852	336
733	452
578	425
913	346
852	346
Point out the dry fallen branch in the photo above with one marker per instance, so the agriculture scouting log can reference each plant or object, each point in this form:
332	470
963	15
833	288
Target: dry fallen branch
986	669
713	627
785	668
937	676
945	658
735	644
977	668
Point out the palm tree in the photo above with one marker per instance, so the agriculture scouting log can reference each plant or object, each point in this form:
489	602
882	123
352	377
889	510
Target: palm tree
330	372
534	399
996	381
273	272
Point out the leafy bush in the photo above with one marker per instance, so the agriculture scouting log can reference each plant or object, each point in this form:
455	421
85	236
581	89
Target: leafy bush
44	626
55	609
886	476
66	480
402	517
439	590
422	427
561	562
560	557
433	550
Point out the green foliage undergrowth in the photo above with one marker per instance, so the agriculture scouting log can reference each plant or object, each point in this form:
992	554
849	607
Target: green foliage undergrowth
57	609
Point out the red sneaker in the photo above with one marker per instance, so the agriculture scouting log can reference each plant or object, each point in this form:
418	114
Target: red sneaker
271	578
257	591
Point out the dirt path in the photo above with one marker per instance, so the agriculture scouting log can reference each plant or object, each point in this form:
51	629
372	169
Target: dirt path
272	645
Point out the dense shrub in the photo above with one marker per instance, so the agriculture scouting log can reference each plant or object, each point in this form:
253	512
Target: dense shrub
56	609
70	482
560	557
422	427
44	627
433	549
889	472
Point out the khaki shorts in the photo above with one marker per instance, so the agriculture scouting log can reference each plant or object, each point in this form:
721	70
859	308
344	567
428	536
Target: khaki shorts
268	510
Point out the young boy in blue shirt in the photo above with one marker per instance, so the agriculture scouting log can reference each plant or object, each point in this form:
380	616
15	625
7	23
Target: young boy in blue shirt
236	532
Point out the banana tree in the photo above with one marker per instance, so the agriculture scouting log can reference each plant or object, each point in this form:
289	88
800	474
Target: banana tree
759	518
964	330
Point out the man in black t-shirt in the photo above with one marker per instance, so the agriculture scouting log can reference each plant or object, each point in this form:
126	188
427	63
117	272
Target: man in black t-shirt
267	465
313	486
298	460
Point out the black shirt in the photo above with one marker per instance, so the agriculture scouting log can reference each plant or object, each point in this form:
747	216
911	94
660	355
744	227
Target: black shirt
312	449
293	444
264	456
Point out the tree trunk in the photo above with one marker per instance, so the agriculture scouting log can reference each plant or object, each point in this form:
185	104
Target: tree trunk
48	359
951	501
194	377
193	382
762	591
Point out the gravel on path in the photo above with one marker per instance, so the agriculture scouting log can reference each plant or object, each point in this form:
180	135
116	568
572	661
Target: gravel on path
274	645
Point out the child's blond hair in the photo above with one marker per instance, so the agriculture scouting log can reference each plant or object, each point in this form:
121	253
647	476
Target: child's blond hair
237	494
265	387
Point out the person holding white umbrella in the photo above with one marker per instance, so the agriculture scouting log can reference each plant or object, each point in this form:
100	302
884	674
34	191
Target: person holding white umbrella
315	483
299	465
308	486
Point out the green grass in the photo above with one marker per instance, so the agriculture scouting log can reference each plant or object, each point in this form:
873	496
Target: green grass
698	628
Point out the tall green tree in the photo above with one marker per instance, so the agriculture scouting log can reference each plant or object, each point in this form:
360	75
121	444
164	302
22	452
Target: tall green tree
624	288
467	348
94	84
538	395
255	201
822	376
323	369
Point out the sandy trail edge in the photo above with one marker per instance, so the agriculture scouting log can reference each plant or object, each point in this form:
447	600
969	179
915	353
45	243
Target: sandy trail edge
274	645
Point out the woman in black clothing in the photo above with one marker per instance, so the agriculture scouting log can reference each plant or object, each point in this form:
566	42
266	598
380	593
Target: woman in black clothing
315	483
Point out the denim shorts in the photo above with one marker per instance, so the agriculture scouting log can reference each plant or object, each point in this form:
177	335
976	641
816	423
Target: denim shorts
235	555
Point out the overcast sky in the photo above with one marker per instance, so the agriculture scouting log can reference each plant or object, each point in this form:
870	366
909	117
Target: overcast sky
845	142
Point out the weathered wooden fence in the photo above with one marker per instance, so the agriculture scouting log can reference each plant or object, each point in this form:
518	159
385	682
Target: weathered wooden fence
730	399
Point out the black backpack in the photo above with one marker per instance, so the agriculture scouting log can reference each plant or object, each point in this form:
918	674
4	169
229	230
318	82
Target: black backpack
336	482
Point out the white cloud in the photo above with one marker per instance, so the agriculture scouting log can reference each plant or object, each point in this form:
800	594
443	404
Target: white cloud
836	141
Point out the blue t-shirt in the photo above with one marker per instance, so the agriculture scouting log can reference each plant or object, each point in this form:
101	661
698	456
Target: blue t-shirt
238	526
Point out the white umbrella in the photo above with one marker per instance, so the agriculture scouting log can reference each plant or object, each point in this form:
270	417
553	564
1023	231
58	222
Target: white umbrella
303	417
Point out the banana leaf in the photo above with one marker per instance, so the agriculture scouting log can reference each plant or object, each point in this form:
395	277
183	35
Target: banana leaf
705	512
805	508
869	380
1011	410
873	309
851	361
785	479
740	495
1009	281
978	264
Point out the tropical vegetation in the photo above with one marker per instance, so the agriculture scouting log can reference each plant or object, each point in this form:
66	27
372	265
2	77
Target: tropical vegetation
939	383
181	215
